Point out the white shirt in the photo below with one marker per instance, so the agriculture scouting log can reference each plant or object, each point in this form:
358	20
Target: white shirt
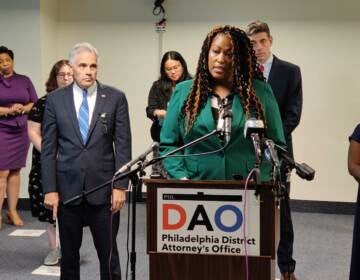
91	98
267	66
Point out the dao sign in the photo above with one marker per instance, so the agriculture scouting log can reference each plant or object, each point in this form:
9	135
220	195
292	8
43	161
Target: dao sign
201	218
207	221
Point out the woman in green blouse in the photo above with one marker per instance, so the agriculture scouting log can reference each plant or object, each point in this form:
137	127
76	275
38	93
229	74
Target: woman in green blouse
227	72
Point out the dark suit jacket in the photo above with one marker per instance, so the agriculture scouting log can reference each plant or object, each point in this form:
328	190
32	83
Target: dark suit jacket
68	165
285	81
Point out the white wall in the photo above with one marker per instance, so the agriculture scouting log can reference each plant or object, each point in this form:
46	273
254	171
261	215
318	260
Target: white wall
48	31
20	31
320	37
325	50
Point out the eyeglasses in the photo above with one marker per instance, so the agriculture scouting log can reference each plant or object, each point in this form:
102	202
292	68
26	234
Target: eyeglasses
62	75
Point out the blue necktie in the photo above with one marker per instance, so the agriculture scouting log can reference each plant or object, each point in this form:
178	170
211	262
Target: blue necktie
83	117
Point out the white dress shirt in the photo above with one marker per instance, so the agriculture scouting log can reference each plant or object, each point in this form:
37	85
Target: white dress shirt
267	66
91	98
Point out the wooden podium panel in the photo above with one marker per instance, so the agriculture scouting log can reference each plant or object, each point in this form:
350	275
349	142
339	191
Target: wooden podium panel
208	267
184	266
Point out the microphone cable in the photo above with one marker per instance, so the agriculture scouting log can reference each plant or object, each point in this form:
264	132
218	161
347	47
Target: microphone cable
111	235
201	154
246	263
128	233
111	232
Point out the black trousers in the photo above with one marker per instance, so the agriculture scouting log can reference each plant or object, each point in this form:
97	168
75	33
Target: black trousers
285	260
98	217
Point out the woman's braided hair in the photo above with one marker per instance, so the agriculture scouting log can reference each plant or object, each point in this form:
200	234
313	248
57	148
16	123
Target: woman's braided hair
244	71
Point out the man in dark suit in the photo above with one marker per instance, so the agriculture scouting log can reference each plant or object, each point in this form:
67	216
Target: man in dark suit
285	81
86	137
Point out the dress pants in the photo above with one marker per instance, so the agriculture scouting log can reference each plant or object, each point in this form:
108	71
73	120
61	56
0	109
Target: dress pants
286	263
285	260
98	217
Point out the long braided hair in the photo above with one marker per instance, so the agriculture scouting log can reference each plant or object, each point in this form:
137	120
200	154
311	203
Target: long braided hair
245	69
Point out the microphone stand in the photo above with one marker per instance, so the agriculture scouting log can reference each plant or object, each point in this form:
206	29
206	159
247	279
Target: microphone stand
257	149
192	143
303	170
136	183
271	155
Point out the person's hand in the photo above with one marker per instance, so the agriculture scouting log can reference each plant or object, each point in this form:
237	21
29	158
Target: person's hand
118	198
12	111
51	201
17	109
159	113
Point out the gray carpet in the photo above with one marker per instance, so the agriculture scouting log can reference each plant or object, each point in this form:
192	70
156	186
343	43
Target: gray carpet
322	248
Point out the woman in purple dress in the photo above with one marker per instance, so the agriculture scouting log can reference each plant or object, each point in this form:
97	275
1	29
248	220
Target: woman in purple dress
17	96
60	75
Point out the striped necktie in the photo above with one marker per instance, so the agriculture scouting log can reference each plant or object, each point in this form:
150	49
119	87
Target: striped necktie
83	117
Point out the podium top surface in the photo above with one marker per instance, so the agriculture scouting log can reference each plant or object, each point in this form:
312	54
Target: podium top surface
223	183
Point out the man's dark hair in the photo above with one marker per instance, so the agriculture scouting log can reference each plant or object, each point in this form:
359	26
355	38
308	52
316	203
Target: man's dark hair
257	26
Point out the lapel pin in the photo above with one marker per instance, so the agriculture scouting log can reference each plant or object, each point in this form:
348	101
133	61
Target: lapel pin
103	95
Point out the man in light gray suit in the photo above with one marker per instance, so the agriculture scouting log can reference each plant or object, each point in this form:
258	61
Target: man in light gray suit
86	137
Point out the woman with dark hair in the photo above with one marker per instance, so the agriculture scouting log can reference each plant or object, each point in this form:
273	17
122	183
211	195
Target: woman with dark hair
17	96
227	73
60	76
173	69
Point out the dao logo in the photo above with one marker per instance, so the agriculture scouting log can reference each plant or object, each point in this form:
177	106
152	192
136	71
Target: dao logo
200	217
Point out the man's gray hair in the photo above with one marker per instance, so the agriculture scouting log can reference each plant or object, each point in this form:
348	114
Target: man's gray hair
79	47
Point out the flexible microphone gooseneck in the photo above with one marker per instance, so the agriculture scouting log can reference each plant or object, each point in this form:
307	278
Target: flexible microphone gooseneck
254	129
154	146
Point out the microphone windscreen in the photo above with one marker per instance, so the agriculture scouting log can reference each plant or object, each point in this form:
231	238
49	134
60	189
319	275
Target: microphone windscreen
253	125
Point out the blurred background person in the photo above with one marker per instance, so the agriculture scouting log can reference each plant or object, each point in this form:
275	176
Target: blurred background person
286	83
354	170
60	76
227	73
17	96
173	69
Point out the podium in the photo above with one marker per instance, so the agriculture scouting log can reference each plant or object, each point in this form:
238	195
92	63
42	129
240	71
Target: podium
211	230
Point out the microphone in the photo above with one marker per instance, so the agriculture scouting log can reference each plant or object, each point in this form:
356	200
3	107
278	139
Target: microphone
154	146
270	152
225	119
303	170
220	124
254	129
227	124
253	125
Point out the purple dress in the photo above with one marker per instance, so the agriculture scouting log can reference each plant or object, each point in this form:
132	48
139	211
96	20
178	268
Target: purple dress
14	140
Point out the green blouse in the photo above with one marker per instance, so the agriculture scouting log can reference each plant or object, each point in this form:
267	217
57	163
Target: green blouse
237	159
